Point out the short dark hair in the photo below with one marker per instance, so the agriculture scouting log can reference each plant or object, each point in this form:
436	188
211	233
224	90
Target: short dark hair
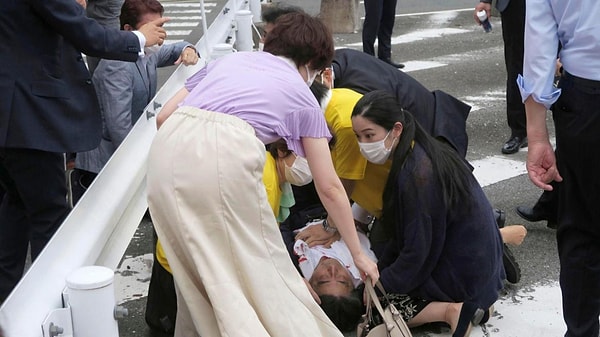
344	311
271	13
302	38
132	11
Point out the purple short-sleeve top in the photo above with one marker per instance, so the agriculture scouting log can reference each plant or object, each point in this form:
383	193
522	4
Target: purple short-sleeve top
264	90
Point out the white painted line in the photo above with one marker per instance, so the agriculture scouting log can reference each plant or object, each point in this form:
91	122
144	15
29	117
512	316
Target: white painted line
181	24
486	97
186	18
172	41
420	65
472	9
421	35
426	34
191	4
430	13
491	170
184	11
179	32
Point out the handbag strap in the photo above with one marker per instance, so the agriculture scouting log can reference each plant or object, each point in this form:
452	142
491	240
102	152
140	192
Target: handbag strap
372	298
393	309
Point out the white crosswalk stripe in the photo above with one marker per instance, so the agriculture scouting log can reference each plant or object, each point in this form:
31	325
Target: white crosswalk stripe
183	15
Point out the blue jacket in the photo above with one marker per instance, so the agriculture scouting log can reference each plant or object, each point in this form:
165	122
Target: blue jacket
124	89
441	254
47	100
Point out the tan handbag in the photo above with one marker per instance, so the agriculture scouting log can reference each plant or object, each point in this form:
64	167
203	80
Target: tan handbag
393	324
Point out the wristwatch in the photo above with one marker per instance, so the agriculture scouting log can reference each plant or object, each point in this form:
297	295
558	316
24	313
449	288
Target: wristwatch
328	228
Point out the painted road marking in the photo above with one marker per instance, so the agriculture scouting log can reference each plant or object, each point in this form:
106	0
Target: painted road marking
420	35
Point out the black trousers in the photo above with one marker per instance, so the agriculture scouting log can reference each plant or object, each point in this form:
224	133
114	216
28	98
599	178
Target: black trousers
577	121
379	24
513	31
33	207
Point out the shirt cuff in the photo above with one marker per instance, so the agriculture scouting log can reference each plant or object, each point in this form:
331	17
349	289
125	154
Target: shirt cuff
528	90
142	39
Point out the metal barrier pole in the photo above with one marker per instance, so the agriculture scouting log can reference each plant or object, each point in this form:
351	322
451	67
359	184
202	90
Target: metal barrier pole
243	33
92	287
256	9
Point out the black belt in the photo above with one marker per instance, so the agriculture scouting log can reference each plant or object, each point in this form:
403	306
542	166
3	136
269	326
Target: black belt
581	81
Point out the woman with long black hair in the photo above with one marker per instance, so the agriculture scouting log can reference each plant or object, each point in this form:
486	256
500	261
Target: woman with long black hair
445	245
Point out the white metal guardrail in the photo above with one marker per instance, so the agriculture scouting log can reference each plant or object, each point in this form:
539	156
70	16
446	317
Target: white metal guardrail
99	229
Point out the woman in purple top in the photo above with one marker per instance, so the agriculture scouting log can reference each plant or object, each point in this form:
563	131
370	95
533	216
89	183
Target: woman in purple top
206	195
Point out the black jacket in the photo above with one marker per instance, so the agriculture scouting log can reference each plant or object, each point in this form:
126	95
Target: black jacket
440	114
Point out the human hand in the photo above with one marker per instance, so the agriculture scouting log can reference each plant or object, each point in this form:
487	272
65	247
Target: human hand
482	6
316	235
189	56
312	291
83	3
558	70
367	267
154	32
514	234
541	164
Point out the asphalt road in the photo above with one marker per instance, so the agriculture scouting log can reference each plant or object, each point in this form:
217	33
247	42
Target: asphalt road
444	49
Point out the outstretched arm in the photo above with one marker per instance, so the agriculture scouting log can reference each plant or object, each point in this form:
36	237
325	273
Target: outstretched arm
170	106
334	199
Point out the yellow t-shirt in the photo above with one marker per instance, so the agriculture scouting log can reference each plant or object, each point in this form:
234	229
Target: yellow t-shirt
271	182
349	163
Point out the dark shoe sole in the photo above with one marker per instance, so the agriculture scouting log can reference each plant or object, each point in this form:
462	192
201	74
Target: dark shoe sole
511	267
528	216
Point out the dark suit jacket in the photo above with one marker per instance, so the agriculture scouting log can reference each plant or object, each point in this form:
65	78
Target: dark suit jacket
47	100
440	114
500	4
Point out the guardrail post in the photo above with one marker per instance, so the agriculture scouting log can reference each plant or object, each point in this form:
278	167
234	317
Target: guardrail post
243	34
91	296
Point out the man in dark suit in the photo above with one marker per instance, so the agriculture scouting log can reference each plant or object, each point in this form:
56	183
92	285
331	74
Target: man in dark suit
442	115
379	25
48	107
512	13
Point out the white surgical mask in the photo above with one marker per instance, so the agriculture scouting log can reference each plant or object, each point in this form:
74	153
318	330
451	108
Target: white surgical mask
299	173
376	152
151	50
309	78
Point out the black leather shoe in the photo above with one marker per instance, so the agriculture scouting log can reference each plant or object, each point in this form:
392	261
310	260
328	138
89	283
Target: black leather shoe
514	144
393	64
530	215
511	267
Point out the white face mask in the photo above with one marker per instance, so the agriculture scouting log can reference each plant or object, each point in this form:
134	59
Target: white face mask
299	174
376	152
310	78
151	50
